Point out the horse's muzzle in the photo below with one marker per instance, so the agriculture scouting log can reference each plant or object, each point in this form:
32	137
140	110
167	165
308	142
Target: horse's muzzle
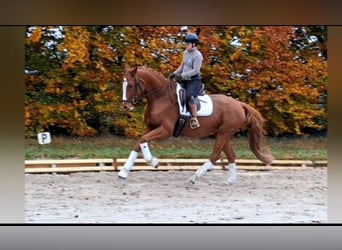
127	106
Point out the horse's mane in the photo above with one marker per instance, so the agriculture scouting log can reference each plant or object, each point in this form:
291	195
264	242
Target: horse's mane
153	71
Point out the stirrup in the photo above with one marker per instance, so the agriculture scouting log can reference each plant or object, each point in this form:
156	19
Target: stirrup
194	123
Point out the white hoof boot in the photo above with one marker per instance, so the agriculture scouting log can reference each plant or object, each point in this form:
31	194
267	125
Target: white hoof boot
123	174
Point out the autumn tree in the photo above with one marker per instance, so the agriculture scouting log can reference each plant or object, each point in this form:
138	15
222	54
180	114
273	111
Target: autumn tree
70	75
74	73
272	76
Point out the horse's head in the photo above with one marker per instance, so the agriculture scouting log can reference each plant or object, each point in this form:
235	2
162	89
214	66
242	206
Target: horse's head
132	89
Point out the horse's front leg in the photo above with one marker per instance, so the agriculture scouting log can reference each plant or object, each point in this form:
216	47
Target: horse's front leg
156	134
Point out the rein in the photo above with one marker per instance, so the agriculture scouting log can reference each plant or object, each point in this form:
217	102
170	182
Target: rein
136	97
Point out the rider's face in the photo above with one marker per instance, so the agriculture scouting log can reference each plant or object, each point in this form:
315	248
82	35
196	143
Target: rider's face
188	46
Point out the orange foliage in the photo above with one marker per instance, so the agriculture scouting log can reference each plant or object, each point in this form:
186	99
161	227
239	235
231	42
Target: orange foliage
75	86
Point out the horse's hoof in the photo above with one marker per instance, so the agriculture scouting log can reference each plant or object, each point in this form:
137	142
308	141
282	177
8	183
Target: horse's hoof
122	178
193	179
231	181
155	162
268	167
123	174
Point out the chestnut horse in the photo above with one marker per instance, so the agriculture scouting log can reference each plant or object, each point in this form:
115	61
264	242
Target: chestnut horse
162	112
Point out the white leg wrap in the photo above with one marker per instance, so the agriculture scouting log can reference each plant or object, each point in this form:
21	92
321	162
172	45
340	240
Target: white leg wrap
201	171
232	173
153	161
146	151
204	168
129	164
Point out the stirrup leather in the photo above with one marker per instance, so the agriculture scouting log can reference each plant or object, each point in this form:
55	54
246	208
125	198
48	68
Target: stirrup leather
194	123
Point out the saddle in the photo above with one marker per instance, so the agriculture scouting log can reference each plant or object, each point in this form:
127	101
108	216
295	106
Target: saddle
182	98
203	102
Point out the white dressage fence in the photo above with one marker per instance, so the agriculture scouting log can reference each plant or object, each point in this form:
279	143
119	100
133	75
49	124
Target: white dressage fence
94	165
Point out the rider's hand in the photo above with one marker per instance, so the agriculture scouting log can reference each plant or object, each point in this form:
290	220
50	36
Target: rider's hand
178	77
171	76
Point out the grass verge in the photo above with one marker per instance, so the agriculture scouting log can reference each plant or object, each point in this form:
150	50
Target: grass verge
286	148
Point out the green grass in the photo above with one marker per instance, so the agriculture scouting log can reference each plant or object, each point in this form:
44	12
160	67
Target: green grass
300	148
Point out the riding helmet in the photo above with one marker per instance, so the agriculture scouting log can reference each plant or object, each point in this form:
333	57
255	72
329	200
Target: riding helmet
191	38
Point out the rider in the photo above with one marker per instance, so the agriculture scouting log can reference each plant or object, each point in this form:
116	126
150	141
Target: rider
188	73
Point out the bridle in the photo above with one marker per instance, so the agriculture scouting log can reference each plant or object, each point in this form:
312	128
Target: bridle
137	87
135	98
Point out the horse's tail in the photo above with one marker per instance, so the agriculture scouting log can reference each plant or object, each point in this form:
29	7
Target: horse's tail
256	133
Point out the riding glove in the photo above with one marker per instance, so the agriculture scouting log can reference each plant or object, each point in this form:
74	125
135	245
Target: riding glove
178	77
171	76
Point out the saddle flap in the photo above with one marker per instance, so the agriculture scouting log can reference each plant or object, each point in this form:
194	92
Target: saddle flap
201	91
182	96
204	103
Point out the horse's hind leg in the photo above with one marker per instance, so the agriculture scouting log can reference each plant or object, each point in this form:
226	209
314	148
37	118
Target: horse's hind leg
230	154
219	143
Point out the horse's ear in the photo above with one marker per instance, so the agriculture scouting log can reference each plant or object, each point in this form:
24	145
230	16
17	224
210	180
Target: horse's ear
134	71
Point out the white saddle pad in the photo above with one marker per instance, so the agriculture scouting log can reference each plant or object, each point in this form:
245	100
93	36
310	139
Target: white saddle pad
206	105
